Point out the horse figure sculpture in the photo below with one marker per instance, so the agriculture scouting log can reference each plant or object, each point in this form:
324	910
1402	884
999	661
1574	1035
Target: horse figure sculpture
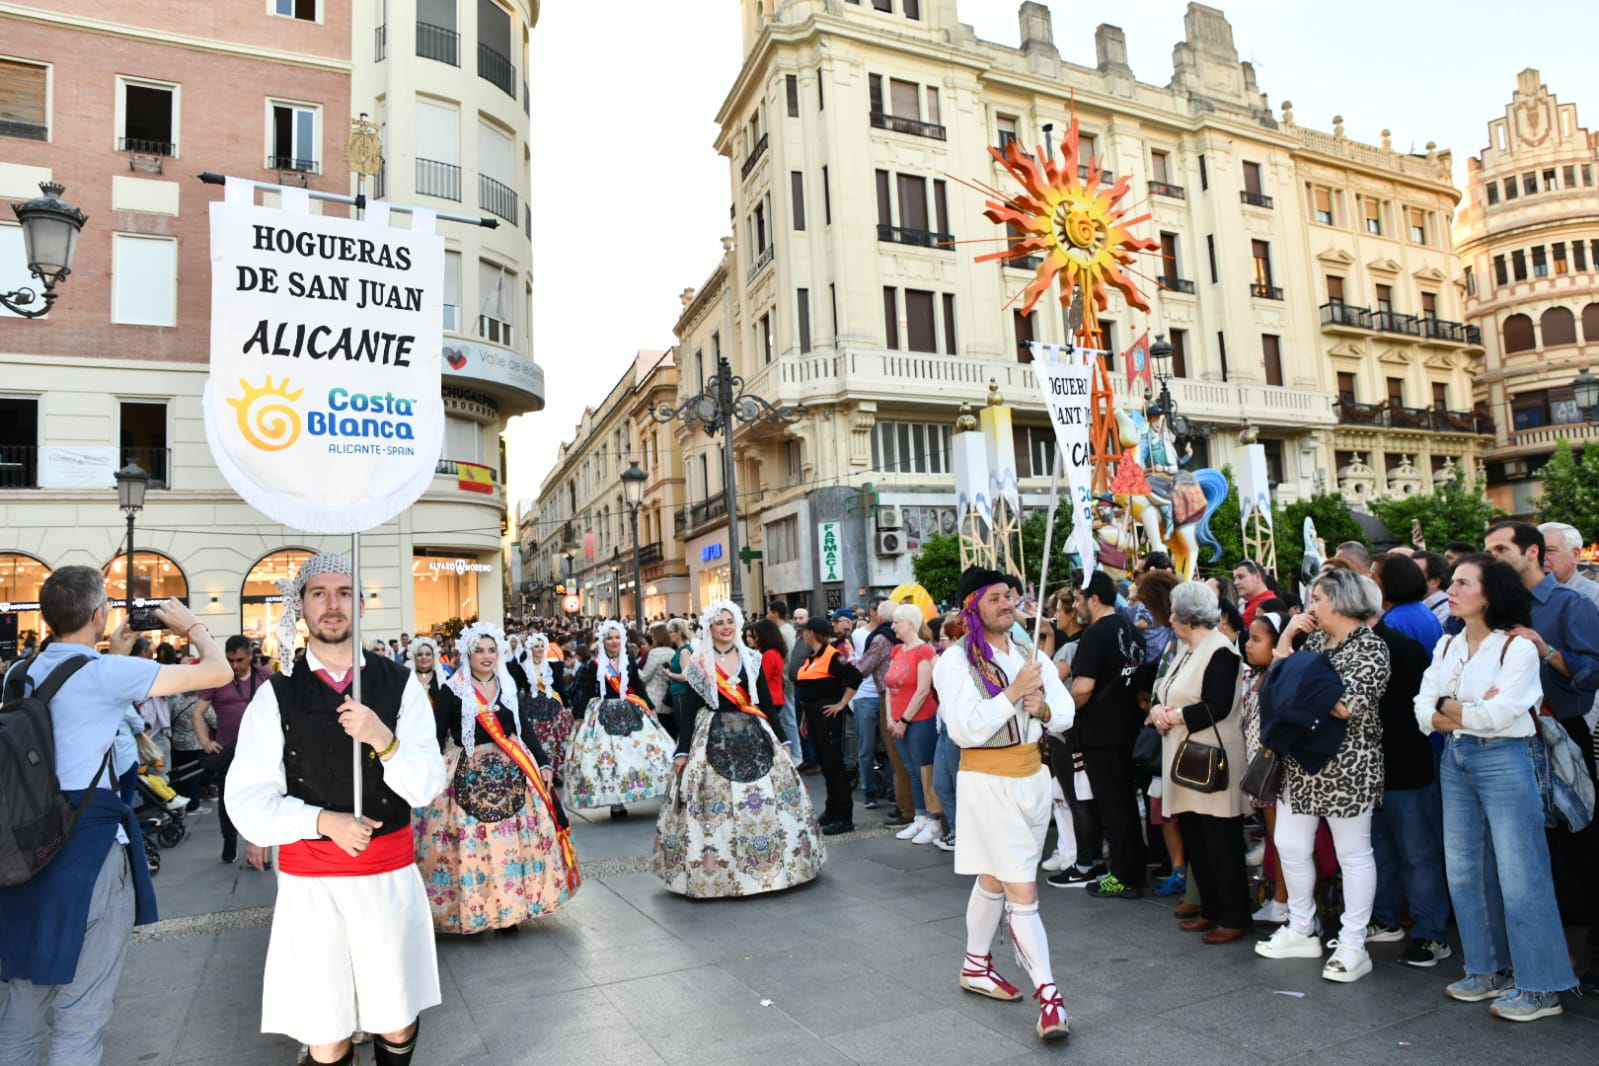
1170	505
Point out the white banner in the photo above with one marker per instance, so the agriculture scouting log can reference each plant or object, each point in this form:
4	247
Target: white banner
323	407
969	458
89	467
1064	382
1254	490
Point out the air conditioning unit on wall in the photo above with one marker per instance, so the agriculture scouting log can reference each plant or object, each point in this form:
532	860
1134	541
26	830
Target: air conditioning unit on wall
890	518
890	542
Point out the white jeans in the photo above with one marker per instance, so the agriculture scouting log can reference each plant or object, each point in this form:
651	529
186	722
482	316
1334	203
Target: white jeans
1295	838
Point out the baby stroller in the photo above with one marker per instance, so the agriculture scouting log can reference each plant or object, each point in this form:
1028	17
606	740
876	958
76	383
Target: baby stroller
160	811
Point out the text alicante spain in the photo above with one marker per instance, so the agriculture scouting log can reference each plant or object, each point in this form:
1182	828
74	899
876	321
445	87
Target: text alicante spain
1087	561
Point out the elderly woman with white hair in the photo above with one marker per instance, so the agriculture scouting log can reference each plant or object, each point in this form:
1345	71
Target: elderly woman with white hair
1344	790
620	752
739	821
912	719
493	848
1197	699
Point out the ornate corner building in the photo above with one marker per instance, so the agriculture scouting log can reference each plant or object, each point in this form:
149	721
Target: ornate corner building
1528	240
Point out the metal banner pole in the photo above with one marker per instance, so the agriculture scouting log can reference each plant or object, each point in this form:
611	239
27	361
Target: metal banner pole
357	659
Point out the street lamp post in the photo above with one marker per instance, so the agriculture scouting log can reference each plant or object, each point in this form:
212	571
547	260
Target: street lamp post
132	482
50	239
716	407
1160	354
633	479
1585	390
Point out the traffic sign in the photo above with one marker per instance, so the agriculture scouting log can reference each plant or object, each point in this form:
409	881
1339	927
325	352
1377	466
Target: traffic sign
571	603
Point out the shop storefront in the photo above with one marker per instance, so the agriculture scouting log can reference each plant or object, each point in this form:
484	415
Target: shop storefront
260	603
156	577
21	578
709	573
445	586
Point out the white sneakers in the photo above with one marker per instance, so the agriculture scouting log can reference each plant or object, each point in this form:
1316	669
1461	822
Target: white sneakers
1273	912
1347	963
931	831
1287	944
1055	863
911	830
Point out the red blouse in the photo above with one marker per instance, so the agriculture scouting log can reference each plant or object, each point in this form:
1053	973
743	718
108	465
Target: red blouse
901	681
772	669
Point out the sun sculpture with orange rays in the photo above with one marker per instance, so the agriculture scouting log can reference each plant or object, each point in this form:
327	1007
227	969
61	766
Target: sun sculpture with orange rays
1074	225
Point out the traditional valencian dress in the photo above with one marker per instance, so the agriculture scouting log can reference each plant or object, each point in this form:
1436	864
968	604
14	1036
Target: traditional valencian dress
620	754
493	848
739	821
551	720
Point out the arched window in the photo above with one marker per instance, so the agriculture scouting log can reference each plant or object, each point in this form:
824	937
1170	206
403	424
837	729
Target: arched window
1558	326
1590	323
1518	334
260	602
155	577
21	578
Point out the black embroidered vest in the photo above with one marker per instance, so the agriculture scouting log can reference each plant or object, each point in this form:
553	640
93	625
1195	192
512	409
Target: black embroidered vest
316	750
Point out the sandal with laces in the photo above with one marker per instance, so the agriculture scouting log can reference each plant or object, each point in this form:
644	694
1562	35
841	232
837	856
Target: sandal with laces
981	968
1052	1020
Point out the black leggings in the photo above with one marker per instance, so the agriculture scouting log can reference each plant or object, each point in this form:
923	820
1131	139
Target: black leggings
827	733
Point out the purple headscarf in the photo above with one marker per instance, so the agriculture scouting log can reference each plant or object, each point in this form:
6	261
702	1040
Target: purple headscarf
978	652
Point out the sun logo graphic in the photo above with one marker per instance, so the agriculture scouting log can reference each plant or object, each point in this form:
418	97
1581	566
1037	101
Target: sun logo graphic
265	416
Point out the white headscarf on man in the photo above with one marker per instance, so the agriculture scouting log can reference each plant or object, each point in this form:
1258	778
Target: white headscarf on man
461	682
292	589
701	669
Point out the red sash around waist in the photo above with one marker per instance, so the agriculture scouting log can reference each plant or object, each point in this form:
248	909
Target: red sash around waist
323	858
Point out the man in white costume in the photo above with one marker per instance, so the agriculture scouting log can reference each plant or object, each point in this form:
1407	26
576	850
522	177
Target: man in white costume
352	939
997	699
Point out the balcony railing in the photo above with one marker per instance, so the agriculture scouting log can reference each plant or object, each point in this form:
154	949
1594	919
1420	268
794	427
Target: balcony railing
496	69
438	179
1256	199
920	238
289	162
1392	322
1342	314
754	156
1160	188
437	42
448	466
496	198
680	523
1026	262
706	511
25	130
1265	292
380	44
1105	176
761	259
1402	417
138	144
650	554
1361	414
1398	416
19	466
157	462
912	126
1171	284
1440	329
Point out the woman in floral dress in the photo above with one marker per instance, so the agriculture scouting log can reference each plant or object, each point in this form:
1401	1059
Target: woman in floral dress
739	821
493	847
620	753
551	720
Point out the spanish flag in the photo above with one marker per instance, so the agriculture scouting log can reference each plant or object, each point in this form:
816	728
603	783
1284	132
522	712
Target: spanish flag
474	478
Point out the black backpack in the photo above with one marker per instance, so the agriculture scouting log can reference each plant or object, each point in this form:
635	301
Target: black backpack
35	817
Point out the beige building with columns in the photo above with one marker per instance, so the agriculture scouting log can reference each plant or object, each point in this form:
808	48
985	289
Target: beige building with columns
1528	239
1305	280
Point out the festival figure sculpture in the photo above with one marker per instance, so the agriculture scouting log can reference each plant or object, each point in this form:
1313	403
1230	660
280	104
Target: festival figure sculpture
1171	506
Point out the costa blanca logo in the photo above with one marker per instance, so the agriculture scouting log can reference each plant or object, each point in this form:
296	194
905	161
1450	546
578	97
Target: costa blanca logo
266	418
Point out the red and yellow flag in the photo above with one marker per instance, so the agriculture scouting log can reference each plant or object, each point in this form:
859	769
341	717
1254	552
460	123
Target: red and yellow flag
474	477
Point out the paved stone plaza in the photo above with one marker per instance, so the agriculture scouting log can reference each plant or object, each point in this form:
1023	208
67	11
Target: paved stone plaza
857	967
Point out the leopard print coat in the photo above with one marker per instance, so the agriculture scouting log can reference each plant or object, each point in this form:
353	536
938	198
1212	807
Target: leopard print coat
1351	783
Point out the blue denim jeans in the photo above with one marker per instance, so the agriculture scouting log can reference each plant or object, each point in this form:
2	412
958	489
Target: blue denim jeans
1407	837
946	763
1498	863
866	712
916	750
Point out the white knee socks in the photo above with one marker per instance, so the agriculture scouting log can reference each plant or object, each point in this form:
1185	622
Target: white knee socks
1031	942
983	912
1065	833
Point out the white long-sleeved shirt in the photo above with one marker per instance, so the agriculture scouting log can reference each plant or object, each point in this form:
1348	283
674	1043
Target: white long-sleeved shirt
1467	679
971	718
258	790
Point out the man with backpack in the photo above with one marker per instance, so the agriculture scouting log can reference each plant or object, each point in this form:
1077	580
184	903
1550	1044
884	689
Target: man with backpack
73	879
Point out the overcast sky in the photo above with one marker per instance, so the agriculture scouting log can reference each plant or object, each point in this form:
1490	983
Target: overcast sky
630	199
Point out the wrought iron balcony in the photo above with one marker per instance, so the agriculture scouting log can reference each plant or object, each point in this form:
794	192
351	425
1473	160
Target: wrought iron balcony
496	69
449	467
912	126
650	554
434	178
156	461
920	238
1160	188
754	156
1255	199
706	511
27	131
289	162
1440	329
1105	176
1351	412
1171	284
437	42
761	259
1402	417
137	144
1338	313
1265	292
1393	322
496	198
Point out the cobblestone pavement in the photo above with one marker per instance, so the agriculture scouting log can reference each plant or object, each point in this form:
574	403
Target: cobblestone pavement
857	967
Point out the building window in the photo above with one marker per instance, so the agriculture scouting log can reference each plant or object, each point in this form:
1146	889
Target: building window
1204	174
1272	354
1385	299
300	10
1518	264
1590	323
920	335
796	192
1210	251
1529	183
1373	213
1005	130
913	8
1179	353
1440	396
1493	193
1511	189
1221	352
1321	200
1558	250
1022	325
1035	450
494	47
293	140
890	319
452	292
1252	179
803	298
149	118
142	435
827	199
1579	255
1260	251
791	89
19	444
1470	276
496	318
1346	386
1540	264
885	6
949	324
1169	269
758	227
832	298
144	280
1518	334
1335	290
24	95
1501	274
821	91
911	447
1396	392
1558	326
782	537
1549	181
1587	174
763	337
497	170
1160	166
1418	226
1569	176
1530	410
438	150
1429	306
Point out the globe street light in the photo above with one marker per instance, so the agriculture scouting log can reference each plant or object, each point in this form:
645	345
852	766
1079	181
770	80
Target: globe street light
132	482
50	240
1586	392
633	480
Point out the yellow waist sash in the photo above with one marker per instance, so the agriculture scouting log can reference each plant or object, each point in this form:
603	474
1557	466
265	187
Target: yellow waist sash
1018	760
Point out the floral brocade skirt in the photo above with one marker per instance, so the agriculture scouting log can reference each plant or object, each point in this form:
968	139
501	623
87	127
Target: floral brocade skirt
553	724
620	754
739	821
487	847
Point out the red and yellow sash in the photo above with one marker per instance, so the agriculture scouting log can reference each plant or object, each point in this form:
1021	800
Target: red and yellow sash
518	754
735	694
630	696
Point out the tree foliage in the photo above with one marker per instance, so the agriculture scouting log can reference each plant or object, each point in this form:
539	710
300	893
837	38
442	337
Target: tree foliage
1451	511
937	566
1334	525
1571	490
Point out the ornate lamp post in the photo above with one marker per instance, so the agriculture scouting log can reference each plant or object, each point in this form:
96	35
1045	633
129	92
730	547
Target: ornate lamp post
633	480
50	239
132	482
1586	391
1160	354
716	407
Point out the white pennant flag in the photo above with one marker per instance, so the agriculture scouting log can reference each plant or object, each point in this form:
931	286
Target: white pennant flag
1064	380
